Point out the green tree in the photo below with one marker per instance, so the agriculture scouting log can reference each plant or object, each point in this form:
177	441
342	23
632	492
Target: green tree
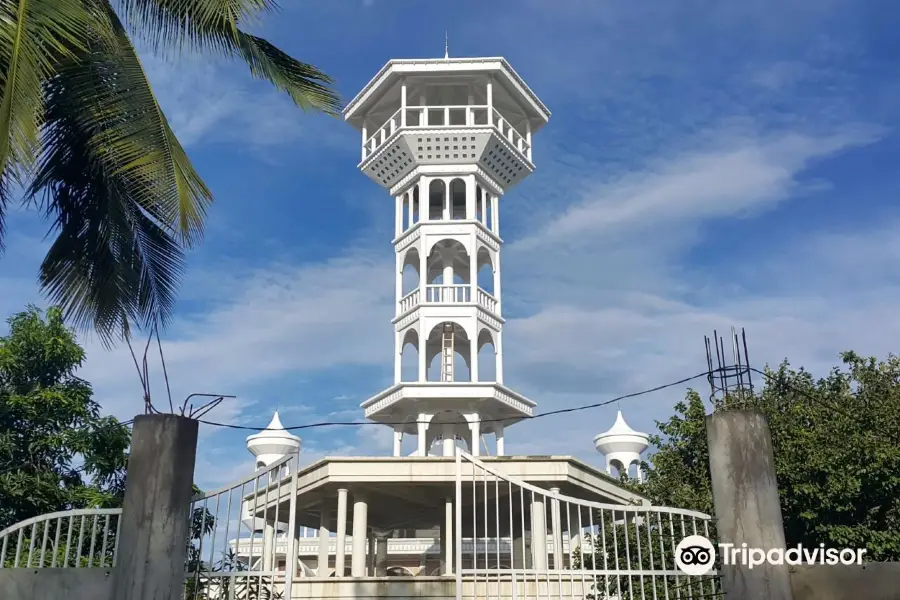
837	455
49	421
82	133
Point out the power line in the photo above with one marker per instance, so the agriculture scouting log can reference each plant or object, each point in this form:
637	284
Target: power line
538	416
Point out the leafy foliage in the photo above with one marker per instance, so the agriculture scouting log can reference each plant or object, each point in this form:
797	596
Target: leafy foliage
82	132
48	421
837	455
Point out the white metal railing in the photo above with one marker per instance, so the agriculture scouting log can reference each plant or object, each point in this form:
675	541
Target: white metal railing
448	294
232	550
409	301
486	300
613	551
434	117
81	538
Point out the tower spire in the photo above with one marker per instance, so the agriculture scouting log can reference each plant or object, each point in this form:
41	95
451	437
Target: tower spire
446	45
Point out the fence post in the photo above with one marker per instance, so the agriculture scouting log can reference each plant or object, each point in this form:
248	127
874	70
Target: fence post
156	509
745	496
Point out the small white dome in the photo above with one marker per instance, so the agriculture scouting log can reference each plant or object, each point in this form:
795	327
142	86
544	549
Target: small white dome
621	438
273	443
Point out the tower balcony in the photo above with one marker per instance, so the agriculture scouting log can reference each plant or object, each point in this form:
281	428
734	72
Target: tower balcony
452	134
449	294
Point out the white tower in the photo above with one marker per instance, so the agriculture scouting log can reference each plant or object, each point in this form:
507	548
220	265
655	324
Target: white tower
622	446
447	138
269	446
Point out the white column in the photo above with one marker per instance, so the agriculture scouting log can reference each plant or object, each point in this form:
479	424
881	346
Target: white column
556	525
498	364
473	270
398	217
449	440
471	187
398	439
411	208
268	552
447	200
341	539
398	356
496	260
423	115
403	104
322	568
528	137
490	102
448	537
475	428
422	430
498	432
360	532
484	207
365	137
423	342
539	534
495	215
423	199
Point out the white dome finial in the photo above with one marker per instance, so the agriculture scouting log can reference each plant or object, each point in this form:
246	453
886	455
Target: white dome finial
622	445
272	443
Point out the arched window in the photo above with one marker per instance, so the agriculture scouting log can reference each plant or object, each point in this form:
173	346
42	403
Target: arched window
437	192
457	199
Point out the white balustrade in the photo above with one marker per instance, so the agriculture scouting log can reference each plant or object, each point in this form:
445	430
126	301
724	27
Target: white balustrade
448	294
409	301
487	301
436	117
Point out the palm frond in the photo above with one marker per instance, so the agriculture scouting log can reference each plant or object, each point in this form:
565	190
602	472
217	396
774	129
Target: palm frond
120	189
216	25
33	36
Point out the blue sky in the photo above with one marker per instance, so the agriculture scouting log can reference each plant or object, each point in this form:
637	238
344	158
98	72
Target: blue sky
707	164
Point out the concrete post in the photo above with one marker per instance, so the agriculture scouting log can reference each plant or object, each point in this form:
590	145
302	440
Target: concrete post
556	529
340	553
447	538
268	549
155	521
381	554
745	495
360	531
539	533
324	539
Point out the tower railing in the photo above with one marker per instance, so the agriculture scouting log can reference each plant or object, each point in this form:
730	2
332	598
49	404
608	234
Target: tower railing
448	294
445	116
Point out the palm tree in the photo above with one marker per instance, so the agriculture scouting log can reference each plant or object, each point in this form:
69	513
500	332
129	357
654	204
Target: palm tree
83	135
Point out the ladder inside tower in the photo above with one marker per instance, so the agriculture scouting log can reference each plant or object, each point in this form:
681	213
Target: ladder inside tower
447	353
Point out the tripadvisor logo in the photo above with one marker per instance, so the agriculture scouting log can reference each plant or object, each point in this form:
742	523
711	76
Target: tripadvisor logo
695	555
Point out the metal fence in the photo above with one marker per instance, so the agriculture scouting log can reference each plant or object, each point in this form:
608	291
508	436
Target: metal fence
80	538
242	544
534	543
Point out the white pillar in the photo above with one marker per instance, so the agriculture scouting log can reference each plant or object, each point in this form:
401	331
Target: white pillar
360	532
498	365
448	537
471	185
539	534
496	259
423	199
365	137
473	274
268	553
528	137
446	214
408	196
398	439
398	217
498	432
423	341
483	201
556	526
495	215
341	539
449	439
475	428
490	102
398	357
422	430
403	104
322	568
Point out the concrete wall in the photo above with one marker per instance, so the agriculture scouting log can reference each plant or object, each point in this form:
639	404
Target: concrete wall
55	584
873	581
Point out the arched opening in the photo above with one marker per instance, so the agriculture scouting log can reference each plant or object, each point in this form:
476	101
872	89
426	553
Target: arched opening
447	353
488	212
405	215
457	199
616	468
487	357
409	357
634	470
437	192
410	273
448	273
448	425
485	271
